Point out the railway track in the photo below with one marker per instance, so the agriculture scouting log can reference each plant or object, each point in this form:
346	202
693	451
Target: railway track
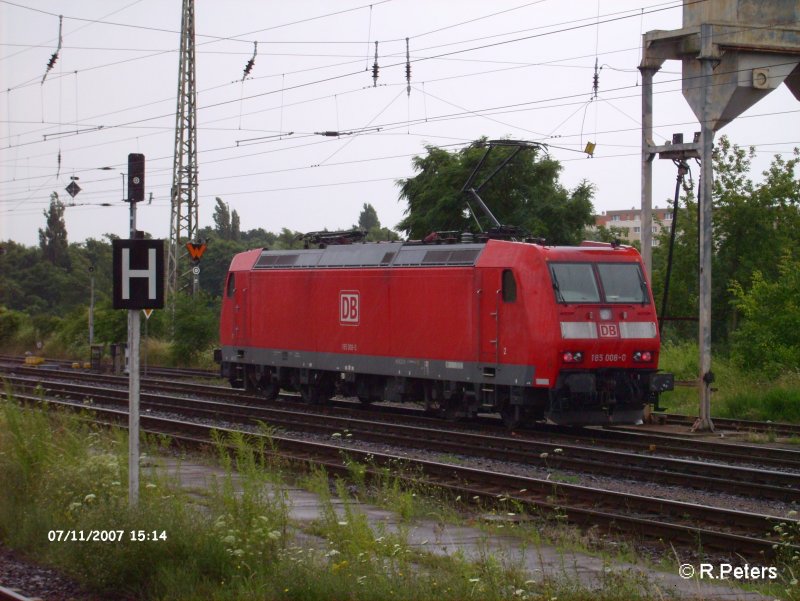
652	517
740	425
781	429
749	482
152	371
641	441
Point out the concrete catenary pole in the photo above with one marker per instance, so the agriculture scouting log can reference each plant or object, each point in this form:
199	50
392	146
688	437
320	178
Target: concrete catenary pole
705	226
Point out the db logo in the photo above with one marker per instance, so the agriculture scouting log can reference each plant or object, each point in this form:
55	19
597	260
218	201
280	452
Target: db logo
609	330
348	307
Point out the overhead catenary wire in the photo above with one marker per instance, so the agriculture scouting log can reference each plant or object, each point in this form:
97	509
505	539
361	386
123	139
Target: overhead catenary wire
304	167
389	126
426	57
138	122
407	119
573	25
336	77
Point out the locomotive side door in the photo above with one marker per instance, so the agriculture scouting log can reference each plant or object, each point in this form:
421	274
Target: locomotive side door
490	286
240	311
498	292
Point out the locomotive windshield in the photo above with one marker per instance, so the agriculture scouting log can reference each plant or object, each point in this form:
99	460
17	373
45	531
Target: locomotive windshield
623	283
574	283
578	283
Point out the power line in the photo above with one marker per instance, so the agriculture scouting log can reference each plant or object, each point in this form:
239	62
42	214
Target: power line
324	80
474	113
390	157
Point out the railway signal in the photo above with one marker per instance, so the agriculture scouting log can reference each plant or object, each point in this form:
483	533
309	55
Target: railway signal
138	267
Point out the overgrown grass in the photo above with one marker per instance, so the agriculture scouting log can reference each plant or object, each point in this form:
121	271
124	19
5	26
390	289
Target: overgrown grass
235	540
739	393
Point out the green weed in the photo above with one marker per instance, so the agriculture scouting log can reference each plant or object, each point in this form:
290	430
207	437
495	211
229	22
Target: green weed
737	393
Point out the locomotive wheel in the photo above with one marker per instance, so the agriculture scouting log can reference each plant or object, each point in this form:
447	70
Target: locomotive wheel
512	416
311	394
320	388
270	391
450	409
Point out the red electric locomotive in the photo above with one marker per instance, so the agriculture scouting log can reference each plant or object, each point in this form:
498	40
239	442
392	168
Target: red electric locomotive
568	334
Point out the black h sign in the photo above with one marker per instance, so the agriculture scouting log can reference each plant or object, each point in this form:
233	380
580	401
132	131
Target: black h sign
138	274
135	177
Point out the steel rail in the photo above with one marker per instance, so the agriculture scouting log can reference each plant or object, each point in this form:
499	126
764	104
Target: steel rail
624	512
646	442
740	425
757	483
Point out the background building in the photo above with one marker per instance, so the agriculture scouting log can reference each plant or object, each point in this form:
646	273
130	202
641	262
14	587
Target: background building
630	221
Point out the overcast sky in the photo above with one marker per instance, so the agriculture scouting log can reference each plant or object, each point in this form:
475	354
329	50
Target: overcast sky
496	69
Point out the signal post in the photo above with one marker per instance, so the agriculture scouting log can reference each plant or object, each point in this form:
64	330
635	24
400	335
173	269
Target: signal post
138	267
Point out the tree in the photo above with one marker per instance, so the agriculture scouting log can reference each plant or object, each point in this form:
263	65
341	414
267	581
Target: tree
222	219
53	239
10	322
769	335
288	239
236	233
215	264
525	193
369	222
196	326
368	218
611	233
258	237
226	223
754	223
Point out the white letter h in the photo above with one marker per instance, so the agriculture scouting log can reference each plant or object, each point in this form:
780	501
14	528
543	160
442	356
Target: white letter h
128	273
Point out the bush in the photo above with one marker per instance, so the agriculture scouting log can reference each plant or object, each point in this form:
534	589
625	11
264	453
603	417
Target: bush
10	324
196	326
72	336
769	337
680	358
778	404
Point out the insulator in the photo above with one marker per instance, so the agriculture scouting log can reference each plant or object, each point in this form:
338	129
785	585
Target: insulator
54	57
249	66
375	67
408	70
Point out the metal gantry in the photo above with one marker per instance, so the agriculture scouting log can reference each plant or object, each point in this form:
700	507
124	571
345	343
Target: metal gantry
733	53
184	220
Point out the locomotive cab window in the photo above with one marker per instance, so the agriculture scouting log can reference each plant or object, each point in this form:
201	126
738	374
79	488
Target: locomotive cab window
509	286
574	283
623	283
230	287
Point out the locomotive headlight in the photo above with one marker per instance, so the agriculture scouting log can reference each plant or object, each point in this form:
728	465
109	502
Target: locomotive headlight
572	356
643	356
605	314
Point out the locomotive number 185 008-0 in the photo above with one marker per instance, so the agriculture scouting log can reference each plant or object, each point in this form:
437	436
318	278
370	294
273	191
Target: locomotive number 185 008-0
609	358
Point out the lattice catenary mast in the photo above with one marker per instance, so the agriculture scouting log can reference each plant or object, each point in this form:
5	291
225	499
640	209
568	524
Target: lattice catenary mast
183	220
